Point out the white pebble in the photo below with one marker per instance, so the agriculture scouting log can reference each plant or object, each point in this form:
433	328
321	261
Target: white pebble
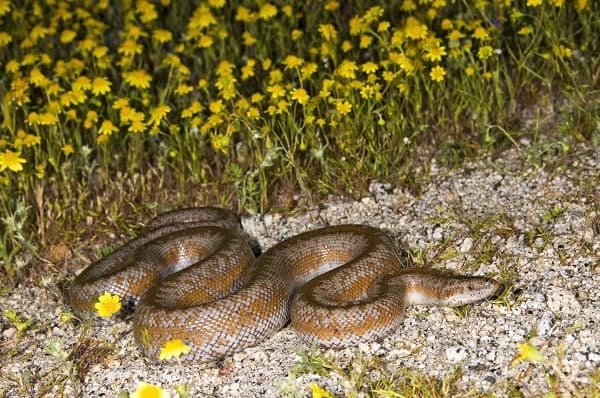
438	233
563	302
9	333
466	245
456	353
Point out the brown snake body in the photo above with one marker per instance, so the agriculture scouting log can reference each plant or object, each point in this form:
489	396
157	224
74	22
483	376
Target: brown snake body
196	279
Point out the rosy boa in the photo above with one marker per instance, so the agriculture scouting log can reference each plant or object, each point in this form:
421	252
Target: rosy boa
193	277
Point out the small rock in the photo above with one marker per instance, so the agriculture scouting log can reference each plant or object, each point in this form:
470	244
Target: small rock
9	333
588	235
378	188
466	245
456	353
562	302
268	220
438	233
544	327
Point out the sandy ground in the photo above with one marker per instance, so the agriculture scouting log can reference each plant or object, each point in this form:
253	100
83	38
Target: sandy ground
536	229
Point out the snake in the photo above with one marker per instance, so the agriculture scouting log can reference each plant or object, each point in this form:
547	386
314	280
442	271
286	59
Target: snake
191	274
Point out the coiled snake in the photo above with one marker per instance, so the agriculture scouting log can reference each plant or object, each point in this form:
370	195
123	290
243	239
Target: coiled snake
196	279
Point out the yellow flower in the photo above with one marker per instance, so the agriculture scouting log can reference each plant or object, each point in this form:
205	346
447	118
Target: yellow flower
415	29
147	11
12	66
100	51
343	107
525	30
82	83
528	353
248	69
485	52
291	61
137	126
388	76
40	171
275	76
138	79
562	52
67	149
90	119
248	39
308	69
332	5
37	78
580	4
216	3
25	139
534	3
328	32
267	11
373	14
368	91
107	128
383	26
300	95
346	46
107	304
67	36
173	349
205	41
347	69
120	103
282	105
11	160
4	7
5	38
469	71
244	15
319	392
158	114
365	41
435	54
447	24
183	89
481	33
216	106
47	119
408	5
195	108
276	91
86	45
220	142
100	85
253	112
145	390
455	35
357	26
130	48
437	73
162	35
225	68
369	67
296	34
256	98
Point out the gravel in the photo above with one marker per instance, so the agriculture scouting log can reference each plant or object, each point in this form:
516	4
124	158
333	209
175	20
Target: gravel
534	228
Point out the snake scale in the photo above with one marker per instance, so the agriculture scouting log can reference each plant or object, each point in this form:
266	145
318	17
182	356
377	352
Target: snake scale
192	275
